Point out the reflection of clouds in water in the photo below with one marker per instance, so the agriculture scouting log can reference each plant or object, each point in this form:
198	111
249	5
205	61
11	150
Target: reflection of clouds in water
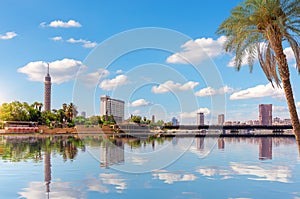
113	179
59	190
94	184
200	153
264	172
65	190
138	160
170	178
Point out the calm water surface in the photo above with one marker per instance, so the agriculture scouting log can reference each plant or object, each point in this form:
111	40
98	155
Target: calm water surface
102	167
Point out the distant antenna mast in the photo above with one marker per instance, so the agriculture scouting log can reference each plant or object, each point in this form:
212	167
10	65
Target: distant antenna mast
48	67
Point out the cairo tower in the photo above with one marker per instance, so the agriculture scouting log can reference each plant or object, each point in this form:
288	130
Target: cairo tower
47	92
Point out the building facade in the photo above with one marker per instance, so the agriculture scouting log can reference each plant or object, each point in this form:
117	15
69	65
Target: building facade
47	91
221	119
200	118
265	114
114	107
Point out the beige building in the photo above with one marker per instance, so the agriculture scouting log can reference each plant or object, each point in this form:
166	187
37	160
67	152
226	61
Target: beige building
221	119
200	118
265	114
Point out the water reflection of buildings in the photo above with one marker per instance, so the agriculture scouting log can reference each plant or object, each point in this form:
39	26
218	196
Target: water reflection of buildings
200	143
221	143
112	152
265	148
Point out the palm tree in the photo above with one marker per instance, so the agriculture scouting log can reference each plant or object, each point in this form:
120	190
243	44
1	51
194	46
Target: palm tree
262	28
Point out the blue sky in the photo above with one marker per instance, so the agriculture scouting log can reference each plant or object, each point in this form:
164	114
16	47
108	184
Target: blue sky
67	35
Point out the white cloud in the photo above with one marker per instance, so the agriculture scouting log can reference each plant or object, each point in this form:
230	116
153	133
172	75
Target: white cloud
85	43
258	92
110	84
280	108
169	86
193	114
119	71
196	51
60	70
57	38
209	91
8	35
61	24
136	112
287	51
94	77
298	104
232	62
289	54
139	102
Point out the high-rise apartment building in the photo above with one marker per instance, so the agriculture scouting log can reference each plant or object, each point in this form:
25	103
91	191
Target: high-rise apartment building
221	119
114	107
47	91
200	118
265	114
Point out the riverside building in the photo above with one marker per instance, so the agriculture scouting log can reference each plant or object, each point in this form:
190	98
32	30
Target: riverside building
265	114
114	107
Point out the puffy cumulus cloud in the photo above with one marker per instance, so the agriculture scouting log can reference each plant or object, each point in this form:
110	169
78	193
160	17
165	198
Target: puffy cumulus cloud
170	178
93	78
57	38
110	84
139	102
209	91
196	51
193	114
85	43
289	54
258	92
119	71
170	86
287	51
8	35
60	70
61	24
298	104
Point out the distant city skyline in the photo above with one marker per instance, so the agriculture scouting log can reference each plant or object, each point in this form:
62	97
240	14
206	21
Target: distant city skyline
65	40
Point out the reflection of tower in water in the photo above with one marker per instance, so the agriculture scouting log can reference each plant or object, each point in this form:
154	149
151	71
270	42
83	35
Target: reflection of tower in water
265	148
47	171
200	143
112	152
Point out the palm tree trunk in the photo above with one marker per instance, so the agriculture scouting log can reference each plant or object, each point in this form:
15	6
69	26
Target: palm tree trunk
283	68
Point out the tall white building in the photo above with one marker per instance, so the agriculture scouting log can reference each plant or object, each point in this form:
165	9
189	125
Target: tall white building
200	118
114	107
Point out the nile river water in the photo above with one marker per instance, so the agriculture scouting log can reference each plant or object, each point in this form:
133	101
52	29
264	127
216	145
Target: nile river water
104	167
